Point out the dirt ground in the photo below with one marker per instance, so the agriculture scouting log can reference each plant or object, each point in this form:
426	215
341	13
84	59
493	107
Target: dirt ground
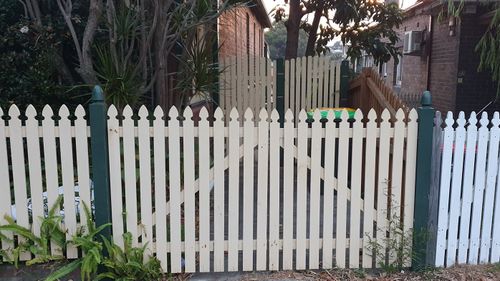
459	273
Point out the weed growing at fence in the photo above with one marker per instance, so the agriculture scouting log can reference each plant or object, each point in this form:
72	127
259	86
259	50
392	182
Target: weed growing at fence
50	233
129	263
395	251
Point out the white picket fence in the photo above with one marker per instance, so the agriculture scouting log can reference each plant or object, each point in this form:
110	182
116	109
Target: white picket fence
468	224
248	195
221	198
40	161
251	82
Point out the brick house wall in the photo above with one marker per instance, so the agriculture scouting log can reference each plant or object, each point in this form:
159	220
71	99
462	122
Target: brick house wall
454	81
240	33
413	68
444	63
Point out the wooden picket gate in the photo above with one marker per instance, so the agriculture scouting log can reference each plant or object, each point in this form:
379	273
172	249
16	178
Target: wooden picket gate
253	82
241	193
468	224
217	195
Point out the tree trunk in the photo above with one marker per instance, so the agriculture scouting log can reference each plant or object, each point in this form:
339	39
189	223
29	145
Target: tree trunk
160	62
292	29
86	64
313	33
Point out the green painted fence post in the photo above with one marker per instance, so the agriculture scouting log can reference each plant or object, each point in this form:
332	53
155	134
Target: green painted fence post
280	89
100	162
344	84
426	115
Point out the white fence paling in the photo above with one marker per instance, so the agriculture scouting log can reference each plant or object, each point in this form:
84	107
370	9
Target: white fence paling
251	154
250	82
468	192
33	153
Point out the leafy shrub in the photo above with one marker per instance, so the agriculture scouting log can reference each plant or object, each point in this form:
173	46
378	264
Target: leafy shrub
50	233
129	263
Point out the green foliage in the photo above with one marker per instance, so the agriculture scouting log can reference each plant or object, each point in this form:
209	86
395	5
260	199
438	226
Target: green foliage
32	69
198	74
91	248
129	263
124	264
116	62
488	48
276	40
363	26
119	82
50	233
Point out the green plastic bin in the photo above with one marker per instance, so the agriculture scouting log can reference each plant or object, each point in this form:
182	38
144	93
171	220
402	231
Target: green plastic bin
337	111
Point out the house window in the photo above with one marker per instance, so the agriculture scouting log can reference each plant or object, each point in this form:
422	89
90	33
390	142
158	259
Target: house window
248	34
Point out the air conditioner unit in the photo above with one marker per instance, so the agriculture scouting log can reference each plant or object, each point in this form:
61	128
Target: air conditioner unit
412	42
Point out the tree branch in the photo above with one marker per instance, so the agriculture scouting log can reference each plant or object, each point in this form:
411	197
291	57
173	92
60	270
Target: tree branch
66	12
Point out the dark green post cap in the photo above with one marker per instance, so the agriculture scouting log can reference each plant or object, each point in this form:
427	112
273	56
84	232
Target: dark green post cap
97	94
426	99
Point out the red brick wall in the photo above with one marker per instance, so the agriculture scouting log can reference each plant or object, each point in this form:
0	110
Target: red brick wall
444	60
233	34
444	64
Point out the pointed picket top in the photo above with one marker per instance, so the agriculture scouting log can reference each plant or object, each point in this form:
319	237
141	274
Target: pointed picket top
173	113
143	112
344	115
275	116
289	115
112	111
30	112
331	115
127	112
461	119
358	115
234	115
14	111
473	119
158	113
438	120
248	115
496	119
302	115
449	119
63	111
317	115
372	115
80	112
263	115
203	114
385	116
188	114
484	119
47	112
400	115
413	115
218	114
